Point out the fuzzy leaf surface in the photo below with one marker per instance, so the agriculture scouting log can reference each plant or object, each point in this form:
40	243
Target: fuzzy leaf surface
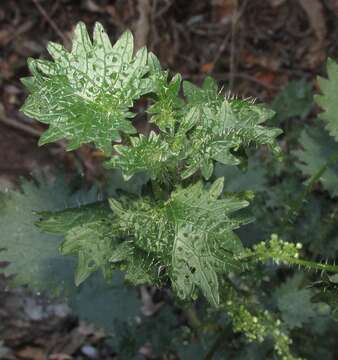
85	95
137	265
225	125
190	235
166	108
89	235
146	154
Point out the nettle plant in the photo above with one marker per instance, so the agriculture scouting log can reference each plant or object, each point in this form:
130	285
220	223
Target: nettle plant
180	231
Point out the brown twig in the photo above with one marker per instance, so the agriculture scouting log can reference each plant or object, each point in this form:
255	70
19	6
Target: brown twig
235	20
20	126
164	9
142	26
50	21
221	48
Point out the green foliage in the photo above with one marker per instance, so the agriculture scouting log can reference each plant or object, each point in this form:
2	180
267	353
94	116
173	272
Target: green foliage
276	249
327	100
295	100
317	149
256	324
294	302
225	125
79	235
168	103
33	255
145	154
190	235
251	178
328	294
86	95
34	258
203	199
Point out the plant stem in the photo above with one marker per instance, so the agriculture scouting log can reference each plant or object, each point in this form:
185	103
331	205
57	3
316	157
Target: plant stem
313	265
292	261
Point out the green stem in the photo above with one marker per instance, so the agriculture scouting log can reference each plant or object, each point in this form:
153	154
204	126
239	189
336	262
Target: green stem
313	265
293	261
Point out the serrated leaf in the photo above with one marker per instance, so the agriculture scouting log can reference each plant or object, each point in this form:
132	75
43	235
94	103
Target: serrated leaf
235	124
165	110
328	98
243	119
122	252
204	244
197	259
137	265
33	255
295	100
225	125
89	235
36	261
86	95
318	147
208	95
189	235
190	268
294	302
61	222
92	243
146	154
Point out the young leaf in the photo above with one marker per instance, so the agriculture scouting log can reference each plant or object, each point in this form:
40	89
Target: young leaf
208	95
85	95
166	108
148	154
234	124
